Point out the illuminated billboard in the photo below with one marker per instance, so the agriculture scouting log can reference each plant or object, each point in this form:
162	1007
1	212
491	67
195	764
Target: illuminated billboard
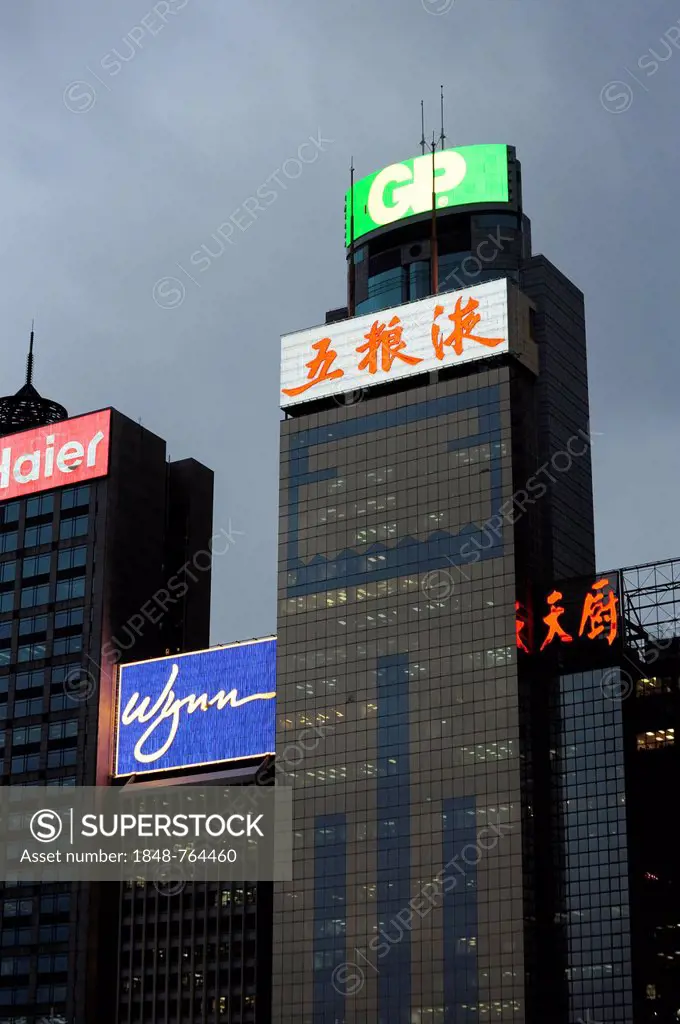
586	613
56	455
467	174
430	334
195	709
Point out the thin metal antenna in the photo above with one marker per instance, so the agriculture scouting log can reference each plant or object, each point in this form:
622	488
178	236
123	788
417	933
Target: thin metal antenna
422	124
442	137
351	281
29	361
434	248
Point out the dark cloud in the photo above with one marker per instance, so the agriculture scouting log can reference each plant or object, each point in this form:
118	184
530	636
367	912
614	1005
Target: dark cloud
110	180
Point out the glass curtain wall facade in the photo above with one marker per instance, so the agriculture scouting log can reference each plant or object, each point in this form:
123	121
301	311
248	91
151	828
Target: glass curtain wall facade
46	637
398	645
591	798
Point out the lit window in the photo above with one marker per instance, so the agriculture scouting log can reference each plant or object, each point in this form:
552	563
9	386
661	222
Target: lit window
653	685
655	740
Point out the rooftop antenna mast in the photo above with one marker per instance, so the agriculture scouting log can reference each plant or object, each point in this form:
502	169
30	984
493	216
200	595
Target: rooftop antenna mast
442	137
352	275
434	248
422	125
29	361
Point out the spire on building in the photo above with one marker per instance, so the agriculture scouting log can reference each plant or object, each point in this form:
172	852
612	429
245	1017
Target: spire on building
27	408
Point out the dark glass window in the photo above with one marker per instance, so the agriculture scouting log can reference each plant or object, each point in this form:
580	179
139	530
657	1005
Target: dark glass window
37	565
72	617
76	527
39	506
8	541
36	535
52	964
30	680
31	652
71	558
25	736
419	279
8	572
62	673
384	290
22	708
68	589
63	730
25	763
9	513
67	645
55	903
74	497
33	624
31	596
62	758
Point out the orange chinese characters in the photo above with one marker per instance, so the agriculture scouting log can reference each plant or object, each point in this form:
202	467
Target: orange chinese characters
464	320
520	626
552	621
318	368
599	612
385	343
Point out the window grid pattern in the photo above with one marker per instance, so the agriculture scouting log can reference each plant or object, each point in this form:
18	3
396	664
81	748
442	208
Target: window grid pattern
593	816
393	665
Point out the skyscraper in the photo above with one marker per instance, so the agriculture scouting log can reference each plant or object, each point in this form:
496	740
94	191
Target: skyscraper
435	477
93	523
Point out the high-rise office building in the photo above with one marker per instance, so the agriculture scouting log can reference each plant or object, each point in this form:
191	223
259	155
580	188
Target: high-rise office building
197	951
613	673
93	523
435	479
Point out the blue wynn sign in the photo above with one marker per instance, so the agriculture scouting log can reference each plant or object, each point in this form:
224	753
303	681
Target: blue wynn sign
193	709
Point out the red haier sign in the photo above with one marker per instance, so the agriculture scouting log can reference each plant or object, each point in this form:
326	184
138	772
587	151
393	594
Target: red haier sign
54	456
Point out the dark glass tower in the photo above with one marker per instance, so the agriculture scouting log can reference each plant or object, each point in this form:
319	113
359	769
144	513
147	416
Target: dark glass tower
619	696
418	525
78	566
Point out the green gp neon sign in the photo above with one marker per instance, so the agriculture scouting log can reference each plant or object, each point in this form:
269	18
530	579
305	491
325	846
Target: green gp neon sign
468	174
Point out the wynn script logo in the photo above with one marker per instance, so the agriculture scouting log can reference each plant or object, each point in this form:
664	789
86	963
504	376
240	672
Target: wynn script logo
167	710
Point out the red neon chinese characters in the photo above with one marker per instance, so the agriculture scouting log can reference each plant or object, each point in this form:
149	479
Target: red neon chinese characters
318	367
552	621
520	625
600	613
464	321
387	343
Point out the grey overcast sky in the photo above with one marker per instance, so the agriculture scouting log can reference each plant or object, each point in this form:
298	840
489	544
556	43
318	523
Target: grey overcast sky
115	168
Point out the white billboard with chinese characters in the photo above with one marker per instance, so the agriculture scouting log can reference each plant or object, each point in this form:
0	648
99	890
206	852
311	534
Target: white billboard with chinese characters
431	334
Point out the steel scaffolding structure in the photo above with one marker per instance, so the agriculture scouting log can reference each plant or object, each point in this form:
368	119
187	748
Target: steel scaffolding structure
650	602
